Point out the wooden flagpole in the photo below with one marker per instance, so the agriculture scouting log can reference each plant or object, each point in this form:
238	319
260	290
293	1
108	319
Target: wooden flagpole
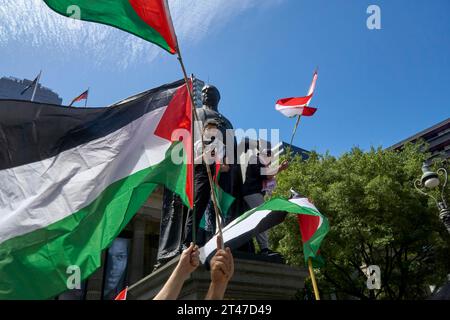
194	216
208	169
295	130
313	279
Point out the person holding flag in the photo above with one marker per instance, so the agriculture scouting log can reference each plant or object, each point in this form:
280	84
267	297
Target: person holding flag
258	171
149	20
221	266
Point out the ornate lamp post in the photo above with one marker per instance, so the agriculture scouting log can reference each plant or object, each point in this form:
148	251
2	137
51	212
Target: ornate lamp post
430	180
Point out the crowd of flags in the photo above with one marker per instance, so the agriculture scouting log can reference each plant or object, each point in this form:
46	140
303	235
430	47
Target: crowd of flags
150	20
35	84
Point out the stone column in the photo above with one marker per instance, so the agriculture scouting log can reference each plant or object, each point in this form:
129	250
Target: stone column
137	251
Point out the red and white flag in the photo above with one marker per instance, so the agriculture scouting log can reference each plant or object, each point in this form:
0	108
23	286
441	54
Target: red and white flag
291	107
83	96
122	295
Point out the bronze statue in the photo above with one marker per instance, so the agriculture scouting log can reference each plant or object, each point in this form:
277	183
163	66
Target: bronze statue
209	115
170	243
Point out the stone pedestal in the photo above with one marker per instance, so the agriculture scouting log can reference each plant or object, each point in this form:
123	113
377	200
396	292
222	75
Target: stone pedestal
253	279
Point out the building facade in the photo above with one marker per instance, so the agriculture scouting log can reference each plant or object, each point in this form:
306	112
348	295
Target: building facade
10	88
437	137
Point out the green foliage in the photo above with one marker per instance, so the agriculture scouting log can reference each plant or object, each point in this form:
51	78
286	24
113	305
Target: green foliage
376	218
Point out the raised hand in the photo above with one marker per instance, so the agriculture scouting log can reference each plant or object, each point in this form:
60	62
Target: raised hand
189	260
222	265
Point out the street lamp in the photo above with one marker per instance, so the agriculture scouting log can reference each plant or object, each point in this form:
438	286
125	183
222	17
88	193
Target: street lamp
430	180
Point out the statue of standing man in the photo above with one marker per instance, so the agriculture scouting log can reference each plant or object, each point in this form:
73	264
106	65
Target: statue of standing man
172	237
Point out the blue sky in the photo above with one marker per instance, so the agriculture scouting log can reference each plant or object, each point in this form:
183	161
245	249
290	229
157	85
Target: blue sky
375	87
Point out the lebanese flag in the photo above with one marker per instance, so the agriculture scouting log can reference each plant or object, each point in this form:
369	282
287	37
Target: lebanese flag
82	96
122	295
147	19
291	107
72	180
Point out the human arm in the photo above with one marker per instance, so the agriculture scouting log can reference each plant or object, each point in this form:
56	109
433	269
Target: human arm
272	172
222	270
189	261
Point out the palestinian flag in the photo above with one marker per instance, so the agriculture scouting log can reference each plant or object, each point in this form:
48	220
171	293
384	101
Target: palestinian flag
291	107
313	229
73	178
224	199
147	19
260	219
83	96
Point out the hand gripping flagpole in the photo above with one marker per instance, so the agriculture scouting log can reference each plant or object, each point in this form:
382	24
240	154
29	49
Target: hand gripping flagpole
313	279
208	169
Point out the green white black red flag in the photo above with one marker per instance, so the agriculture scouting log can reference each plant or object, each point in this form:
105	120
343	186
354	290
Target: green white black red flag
73	179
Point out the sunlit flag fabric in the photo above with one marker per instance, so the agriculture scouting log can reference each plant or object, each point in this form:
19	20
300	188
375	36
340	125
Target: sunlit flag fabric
71	180
224	199
313	229
83	96
147	19
122	295
262	218
291	107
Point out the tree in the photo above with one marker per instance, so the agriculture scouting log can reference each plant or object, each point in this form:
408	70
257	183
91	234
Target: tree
376	218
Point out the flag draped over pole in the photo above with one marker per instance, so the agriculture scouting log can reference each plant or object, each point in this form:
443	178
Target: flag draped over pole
313	229
262	218
73	181
34	84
